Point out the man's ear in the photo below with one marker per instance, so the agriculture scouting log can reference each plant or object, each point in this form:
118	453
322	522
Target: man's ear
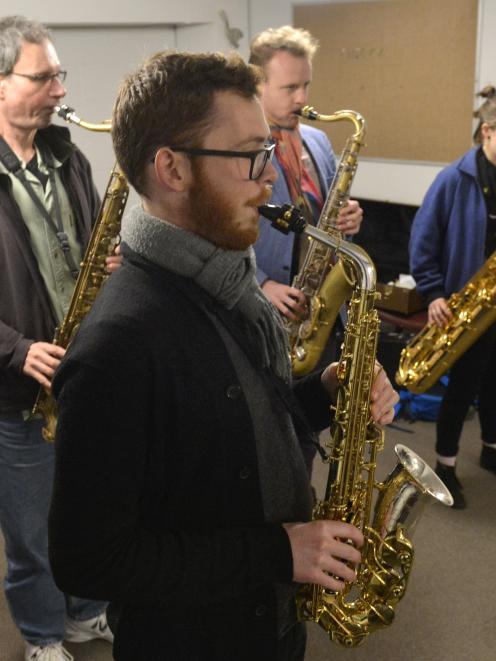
173	169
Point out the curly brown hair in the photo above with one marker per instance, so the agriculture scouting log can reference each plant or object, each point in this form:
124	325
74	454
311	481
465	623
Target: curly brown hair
169	101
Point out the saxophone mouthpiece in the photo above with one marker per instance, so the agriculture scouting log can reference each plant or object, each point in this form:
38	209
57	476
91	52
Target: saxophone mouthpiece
285	218
64	111
308	113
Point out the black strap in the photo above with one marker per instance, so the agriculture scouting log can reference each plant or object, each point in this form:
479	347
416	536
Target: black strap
13	165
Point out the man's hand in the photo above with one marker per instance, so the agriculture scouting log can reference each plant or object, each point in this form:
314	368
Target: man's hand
383	396
439	313
320	548
289	301
113	262
350	218
41	362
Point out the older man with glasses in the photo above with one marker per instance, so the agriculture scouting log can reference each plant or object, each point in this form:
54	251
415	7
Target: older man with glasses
48	204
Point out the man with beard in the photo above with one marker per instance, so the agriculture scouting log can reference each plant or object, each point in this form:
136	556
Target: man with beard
185	474
48	204
304	161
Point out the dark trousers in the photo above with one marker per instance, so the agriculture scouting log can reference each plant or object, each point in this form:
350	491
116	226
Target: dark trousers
472	376
147	637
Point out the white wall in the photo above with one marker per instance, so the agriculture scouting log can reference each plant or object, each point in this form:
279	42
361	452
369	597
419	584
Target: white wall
92	79
111	12
98	42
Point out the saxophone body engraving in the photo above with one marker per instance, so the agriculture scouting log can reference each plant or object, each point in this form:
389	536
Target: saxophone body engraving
386	512
434	350
92	274
326	288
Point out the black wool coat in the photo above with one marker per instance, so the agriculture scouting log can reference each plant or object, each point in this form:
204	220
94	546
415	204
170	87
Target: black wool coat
157	505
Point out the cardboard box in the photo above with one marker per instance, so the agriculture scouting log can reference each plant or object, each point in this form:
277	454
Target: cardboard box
399	299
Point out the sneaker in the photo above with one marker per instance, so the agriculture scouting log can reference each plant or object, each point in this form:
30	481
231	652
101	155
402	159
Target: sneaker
80	631
53	652
448	476
488	458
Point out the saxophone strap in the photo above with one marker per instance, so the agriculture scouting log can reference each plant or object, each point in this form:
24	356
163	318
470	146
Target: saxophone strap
14	166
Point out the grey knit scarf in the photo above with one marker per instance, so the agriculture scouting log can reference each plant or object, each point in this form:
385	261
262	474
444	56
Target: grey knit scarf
227	275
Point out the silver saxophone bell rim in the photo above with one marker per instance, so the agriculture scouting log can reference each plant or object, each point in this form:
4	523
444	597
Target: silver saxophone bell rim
423	474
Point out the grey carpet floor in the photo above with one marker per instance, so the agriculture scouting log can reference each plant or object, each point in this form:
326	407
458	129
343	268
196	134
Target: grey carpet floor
449	610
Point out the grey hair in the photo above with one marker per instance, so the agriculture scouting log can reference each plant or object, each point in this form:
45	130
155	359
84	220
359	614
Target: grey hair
13	31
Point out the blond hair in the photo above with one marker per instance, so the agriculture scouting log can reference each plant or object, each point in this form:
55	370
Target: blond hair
296	41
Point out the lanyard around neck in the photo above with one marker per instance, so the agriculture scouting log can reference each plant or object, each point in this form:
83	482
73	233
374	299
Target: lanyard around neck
13	165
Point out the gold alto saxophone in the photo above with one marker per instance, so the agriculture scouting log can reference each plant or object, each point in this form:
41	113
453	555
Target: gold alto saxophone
355	441
326	288
92	274
435	349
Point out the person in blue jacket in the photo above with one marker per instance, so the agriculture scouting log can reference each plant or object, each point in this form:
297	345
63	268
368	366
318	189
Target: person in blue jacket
453	233
304	160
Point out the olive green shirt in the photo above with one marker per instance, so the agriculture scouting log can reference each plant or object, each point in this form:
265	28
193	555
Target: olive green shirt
44	243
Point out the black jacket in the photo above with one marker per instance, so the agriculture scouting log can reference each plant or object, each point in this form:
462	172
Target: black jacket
157	504
26	315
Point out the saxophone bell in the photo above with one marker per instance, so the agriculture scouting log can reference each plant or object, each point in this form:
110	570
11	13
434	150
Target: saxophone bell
406	491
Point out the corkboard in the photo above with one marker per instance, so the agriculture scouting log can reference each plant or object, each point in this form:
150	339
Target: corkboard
408	66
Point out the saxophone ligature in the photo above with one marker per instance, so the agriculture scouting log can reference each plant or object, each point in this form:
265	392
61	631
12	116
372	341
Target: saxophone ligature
326	287
351	452
92	274
435	349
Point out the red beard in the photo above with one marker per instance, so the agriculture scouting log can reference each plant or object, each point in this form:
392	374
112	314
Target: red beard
214	214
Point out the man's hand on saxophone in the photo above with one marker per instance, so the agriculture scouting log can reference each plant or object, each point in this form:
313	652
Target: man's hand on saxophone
438	312
322	553
383	396
350	218
290	301
41	362
114	261
43	358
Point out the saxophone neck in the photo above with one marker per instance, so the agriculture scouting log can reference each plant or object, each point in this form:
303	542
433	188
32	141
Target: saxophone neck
70	116
358	121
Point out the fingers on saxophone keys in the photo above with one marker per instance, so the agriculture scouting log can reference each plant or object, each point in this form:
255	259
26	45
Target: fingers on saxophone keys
339	565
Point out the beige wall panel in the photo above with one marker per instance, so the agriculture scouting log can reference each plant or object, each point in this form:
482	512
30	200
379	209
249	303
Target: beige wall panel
408	66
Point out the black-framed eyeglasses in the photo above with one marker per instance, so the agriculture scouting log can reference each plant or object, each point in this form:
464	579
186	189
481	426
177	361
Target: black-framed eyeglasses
258	158
42	78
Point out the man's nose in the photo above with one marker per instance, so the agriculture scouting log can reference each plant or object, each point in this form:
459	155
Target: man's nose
269	174
57	89
301	96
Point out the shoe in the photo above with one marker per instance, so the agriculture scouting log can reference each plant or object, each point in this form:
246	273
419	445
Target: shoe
488	458
80	631
53	652
448	476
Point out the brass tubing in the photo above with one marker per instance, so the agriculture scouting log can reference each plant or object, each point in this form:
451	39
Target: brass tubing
307	112
69	115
